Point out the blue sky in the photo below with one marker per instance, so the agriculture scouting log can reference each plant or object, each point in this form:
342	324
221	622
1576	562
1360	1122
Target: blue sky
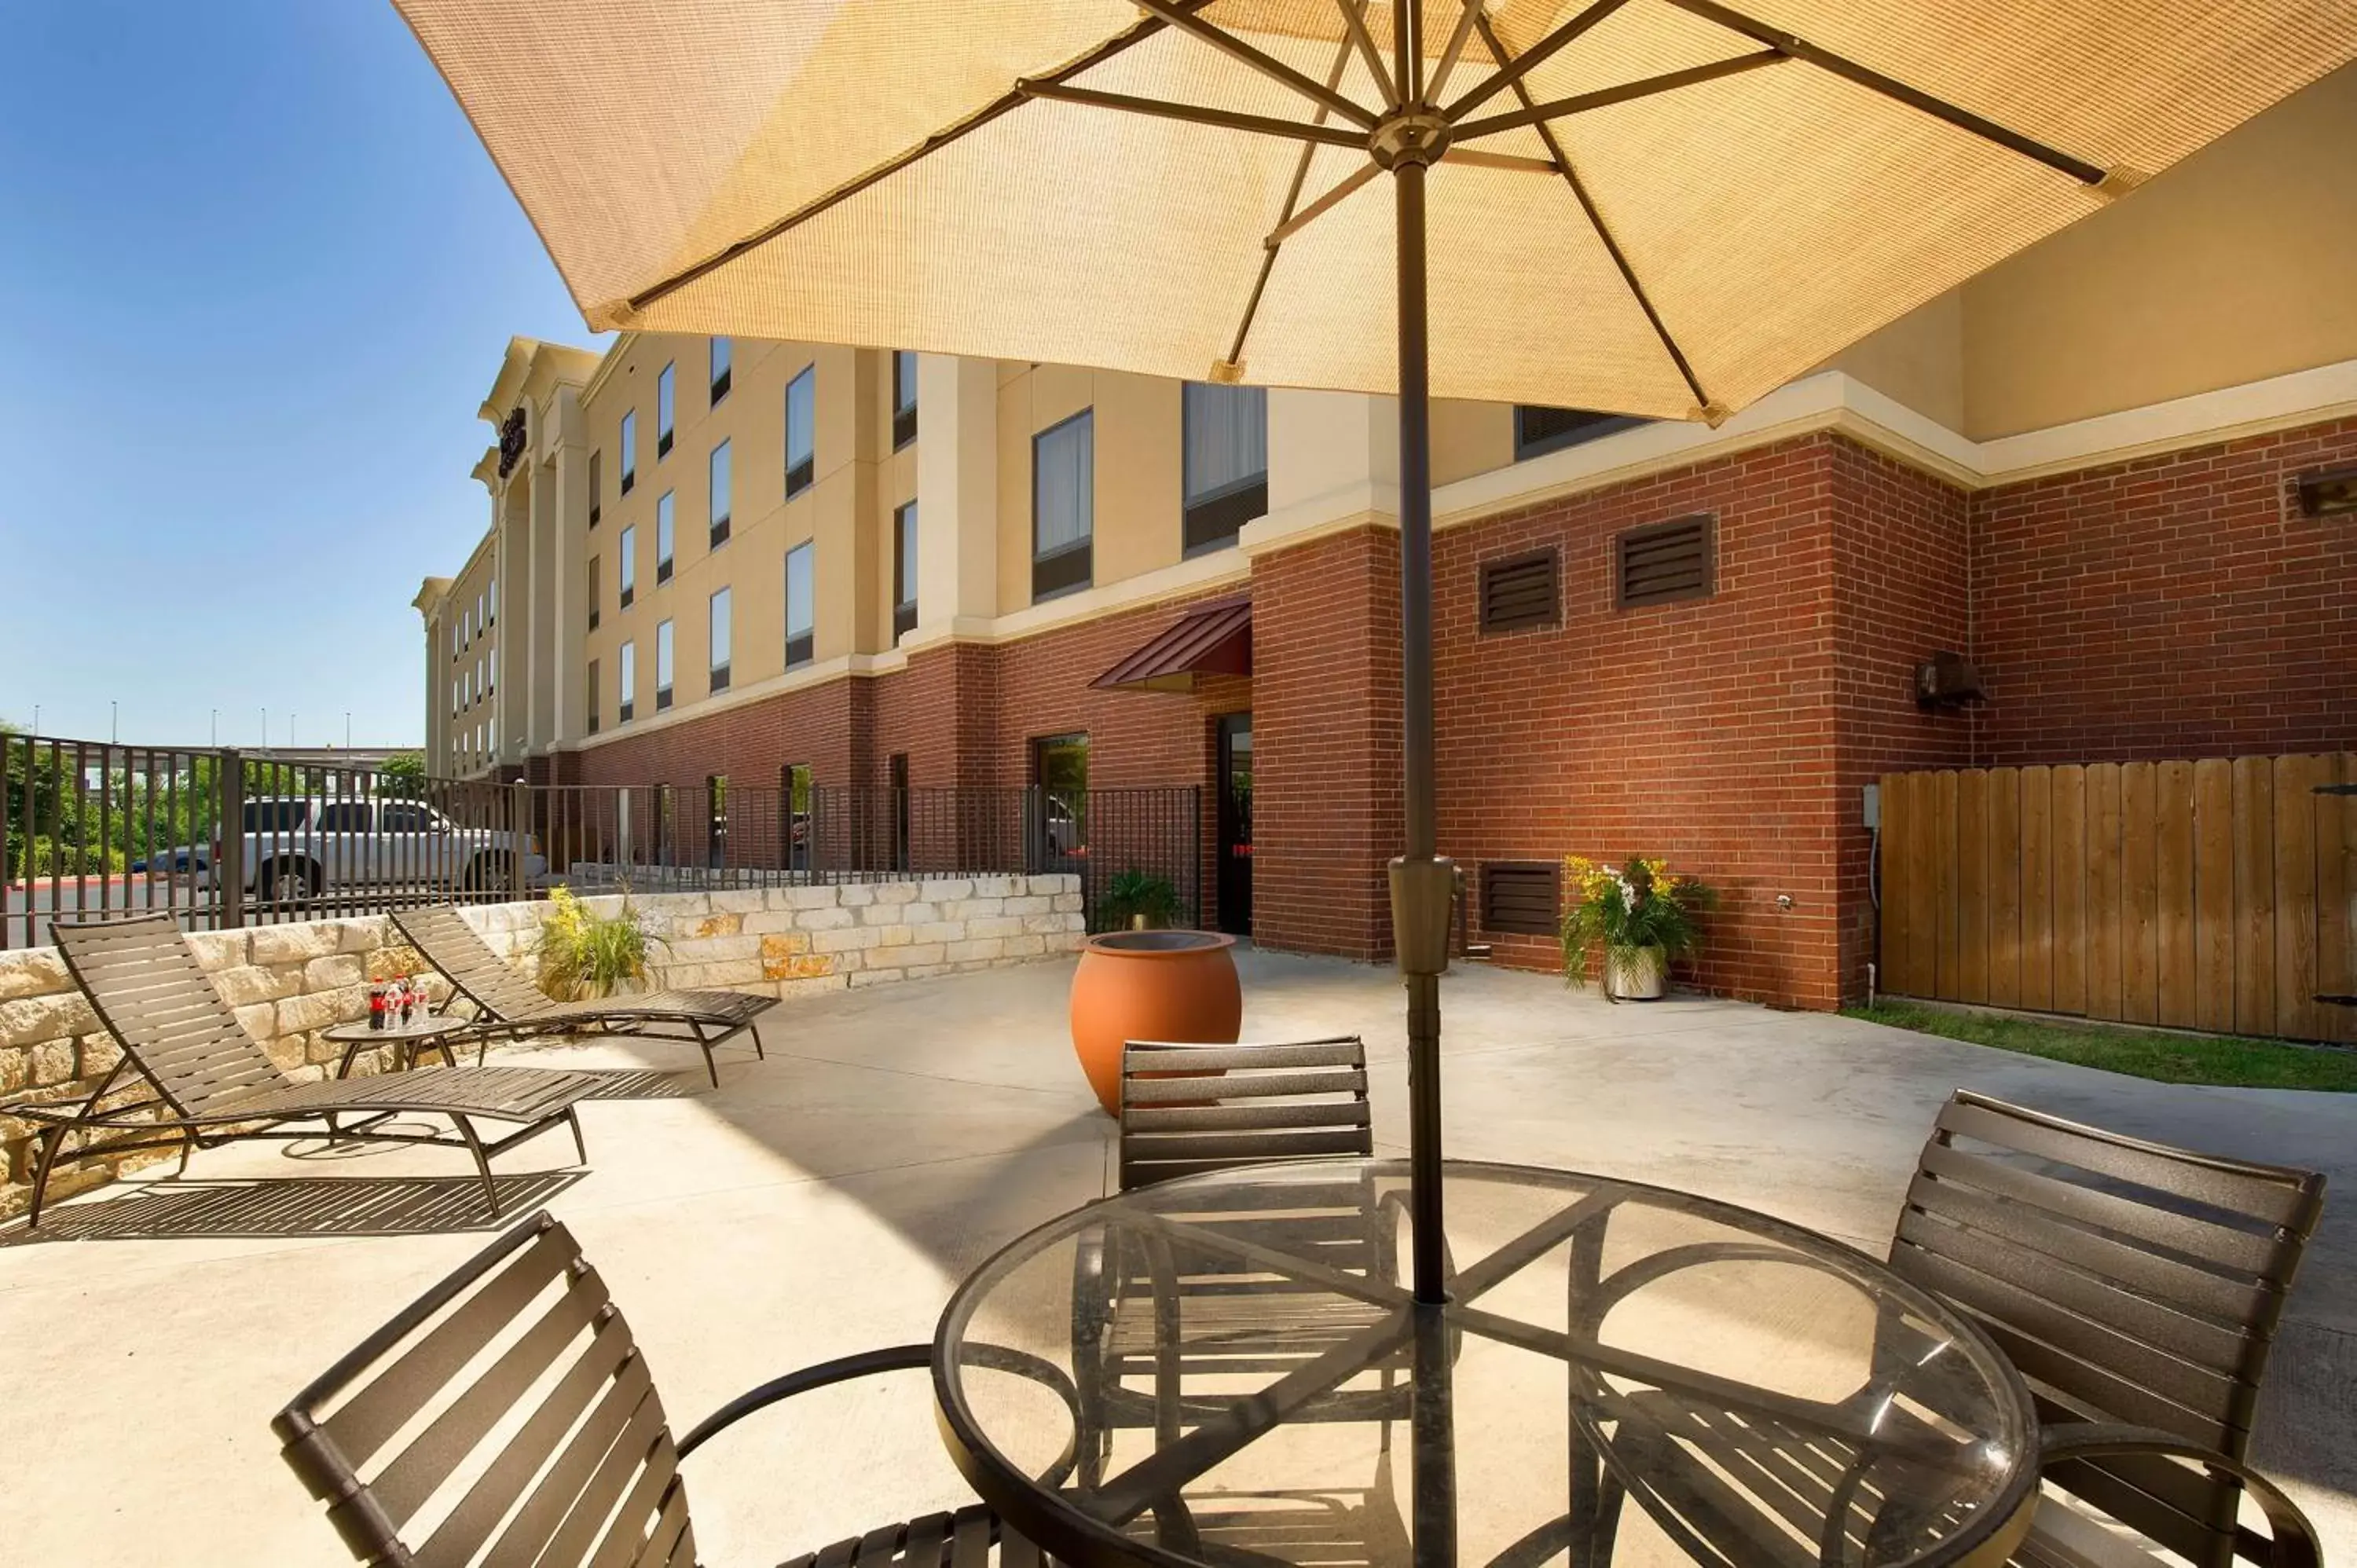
258	276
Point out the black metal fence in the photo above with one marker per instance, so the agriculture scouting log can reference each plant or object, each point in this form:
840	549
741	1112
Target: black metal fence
94	830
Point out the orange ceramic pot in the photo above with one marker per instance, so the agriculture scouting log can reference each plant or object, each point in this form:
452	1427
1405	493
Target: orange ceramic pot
1151	985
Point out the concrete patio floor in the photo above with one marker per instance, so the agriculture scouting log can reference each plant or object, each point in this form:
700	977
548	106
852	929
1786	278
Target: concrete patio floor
828	1199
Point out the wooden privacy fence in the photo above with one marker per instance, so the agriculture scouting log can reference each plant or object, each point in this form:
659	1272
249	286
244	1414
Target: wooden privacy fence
2214	894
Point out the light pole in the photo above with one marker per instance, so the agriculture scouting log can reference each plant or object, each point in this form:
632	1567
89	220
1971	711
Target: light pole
114	721
265	729
347	729
216	742
291	717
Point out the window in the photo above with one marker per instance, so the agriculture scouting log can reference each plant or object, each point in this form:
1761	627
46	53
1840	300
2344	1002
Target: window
720	495
1521	898
801	432
345	817
663	540
1063	505
458	697
721	358
491	603
1225	435
904	571
1538	430
629	561
1058	833
1663	563
664	407
629	450
662	665
597	487
629	681
720	641
493	683
1521	591
904	398
590	692
800	605
404	817
597	590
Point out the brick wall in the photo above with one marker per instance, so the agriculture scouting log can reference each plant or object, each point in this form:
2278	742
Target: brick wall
2178	605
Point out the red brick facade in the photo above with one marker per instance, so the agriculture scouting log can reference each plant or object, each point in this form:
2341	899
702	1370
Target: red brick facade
2178	606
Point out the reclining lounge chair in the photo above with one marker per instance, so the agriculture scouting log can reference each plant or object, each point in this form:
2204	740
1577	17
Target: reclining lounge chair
508	1007
214	1084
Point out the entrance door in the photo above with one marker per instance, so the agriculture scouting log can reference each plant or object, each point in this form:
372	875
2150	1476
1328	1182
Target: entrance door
1060	826
1235	847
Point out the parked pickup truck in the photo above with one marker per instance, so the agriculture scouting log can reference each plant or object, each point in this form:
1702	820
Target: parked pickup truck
297	848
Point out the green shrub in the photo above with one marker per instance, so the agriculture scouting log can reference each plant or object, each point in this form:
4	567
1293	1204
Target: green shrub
1136	893
583	953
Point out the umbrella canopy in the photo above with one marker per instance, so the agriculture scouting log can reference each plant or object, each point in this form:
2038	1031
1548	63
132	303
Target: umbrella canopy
1650	207
1720	197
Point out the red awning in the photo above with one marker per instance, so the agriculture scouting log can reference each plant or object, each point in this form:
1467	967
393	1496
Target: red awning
1210	639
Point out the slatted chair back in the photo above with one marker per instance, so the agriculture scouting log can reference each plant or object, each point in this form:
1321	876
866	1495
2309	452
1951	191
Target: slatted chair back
1299	1100
144	981
2130	1282
466	961
505	1416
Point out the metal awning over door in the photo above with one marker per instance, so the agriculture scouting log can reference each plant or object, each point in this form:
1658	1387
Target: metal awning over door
1210	639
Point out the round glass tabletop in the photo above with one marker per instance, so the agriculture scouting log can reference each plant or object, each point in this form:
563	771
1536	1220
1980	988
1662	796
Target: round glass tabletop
1228	1370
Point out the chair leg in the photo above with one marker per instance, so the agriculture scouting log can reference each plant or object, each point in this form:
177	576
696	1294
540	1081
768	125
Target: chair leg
710	1066
52	1140
187	1147
482	1161
573	1120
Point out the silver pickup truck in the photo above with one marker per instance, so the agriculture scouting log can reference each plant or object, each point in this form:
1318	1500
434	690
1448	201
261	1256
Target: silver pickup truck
298	847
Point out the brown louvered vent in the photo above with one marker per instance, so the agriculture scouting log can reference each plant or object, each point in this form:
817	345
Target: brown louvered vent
1521	591
1520	897
1663	562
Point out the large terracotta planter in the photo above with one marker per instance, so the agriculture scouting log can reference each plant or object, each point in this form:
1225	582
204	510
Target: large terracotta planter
1151	985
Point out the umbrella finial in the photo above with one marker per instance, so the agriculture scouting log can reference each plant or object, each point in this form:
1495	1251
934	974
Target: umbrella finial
614	316
1712	414
1226	372
2118	180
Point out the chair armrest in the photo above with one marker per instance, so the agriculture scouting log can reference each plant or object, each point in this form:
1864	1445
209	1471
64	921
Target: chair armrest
2294	1543
894	1359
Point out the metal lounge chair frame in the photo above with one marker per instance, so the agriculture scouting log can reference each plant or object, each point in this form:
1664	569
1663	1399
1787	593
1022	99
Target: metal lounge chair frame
214	1084
521	1346
507	1007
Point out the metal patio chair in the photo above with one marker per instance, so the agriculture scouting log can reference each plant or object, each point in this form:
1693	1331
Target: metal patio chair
508	1416
2134	1286
507	1007
213	1084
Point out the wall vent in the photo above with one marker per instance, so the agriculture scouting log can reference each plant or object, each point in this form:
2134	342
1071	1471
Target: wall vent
1665	561
1519	592
1521	897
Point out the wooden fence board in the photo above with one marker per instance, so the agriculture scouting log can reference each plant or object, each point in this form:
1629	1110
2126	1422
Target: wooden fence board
2139	895
2005	888
2336	898
2254	876
2104	951
2037	888
2294	903
2070	786
1972	887
1944	872
1922	913
1900	969
2213	893
2178	1005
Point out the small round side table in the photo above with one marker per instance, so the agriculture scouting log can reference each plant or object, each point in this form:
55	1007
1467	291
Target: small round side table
408	1041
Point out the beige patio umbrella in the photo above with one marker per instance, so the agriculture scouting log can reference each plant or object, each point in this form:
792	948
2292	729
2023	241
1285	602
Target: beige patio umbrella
1649	207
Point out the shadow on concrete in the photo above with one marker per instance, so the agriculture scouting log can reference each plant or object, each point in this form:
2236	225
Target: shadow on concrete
341	1206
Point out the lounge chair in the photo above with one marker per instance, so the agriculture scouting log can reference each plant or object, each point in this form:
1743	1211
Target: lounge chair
508	1007
214	1084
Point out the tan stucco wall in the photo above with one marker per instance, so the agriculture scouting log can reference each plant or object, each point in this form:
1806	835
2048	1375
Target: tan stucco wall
1137	469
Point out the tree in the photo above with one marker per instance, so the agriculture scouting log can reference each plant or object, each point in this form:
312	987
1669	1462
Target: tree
402	776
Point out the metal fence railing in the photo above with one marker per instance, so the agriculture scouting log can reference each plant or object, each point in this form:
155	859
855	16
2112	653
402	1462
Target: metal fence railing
95	830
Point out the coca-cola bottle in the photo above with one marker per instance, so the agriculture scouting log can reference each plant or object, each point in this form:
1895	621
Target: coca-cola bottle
376	1007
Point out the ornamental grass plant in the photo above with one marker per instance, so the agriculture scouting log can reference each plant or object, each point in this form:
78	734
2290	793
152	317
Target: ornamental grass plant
1627	910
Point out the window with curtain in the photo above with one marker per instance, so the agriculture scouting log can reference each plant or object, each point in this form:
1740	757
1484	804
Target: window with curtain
722	496
662	665
665	405
723	357
1224	482
1063	506
904	571
904	398
629	692
597	487
664	539
597	591
801	431
800	607
1538	429
629	450
590	695
627	565
720	641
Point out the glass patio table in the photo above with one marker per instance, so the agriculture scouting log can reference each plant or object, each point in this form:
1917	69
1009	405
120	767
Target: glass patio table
1226	1369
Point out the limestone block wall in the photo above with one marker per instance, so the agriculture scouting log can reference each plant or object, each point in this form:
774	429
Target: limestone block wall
288	984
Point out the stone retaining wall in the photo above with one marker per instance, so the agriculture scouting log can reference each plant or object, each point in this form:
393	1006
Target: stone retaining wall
288	984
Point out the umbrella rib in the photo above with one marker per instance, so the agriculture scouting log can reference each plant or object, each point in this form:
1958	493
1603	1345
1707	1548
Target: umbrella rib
1295	223
1603	231
1015	97
1510	72
1196	113
1891	87
1187	20
1467	14
1355	21
1604	98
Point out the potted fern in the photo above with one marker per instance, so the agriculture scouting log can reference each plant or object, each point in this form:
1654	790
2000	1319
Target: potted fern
1138	900
1639	915
583	953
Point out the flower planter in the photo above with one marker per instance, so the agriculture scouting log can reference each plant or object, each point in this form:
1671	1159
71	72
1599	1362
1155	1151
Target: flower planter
1151	985
1636	974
